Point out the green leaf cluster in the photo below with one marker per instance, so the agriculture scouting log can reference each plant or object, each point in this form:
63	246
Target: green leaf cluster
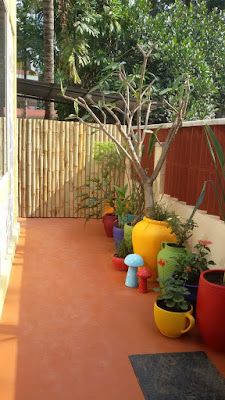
123	249
189	267
173	296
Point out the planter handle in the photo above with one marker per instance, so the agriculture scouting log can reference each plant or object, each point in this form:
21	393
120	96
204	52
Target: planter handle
191	323
163	245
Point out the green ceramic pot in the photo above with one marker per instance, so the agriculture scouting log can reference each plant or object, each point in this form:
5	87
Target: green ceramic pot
165	260
128	234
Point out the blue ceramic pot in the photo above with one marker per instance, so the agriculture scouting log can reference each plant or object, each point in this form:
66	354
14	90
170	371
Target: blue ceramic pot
118	235
192	297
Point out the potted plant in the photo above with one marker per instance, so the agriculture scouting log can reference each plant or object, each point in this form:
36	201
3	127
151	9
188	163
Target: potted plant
172	312
97	196
190	265
121	211
170	250
136	210
210	311
148	235
122	250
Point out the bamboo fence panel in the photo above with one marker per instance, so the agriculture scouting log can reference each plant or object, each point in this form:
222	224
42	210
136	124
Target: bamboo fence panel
56	161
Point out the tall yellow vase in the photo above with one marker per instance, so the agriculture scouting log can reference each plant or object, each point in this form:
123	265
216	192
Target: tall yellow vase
147	237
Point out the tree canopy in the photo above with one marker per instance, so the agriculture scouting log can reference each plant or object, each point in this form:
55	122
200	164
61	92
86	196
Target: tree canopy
92	35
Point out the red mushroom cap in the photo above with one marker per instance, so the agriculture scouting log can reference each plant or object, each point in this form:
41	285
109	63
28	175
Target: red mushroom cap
144	273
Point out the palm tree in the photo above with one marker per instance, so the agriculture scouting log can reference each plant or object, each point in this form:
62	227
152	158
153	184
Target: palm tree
48	25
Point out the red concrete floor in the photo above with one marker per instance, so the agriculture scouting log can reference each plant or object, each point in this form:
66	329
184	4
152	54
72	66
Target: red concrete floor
69	323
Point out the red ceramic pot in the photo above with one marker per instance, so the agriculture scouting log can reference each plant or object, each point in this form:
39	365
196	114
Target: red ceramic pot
118	263
108	221
210	312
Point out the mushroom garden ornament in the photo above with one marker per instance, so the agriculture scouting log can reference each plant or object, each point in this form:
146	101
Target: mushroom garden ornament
143	275
133	261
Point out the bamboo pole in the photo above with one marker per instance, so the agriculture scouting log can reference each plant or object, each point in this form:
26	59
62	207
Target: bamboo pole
28	169
80	155
23	168
88	161
33	167
45	168
49	169
57	166
41	169
75	168
62	168
71	153
100	172
19	127
66	163
53	162
37	157
83	170
92	166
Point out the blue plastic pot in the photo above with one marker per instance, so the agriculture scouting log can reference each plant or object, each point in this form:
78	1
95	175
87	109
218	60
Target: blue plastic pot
192	297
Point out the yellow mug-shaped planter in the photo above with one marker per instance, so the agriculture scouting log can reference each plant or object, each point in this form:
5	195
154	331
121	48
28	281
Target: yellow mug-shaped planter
171	323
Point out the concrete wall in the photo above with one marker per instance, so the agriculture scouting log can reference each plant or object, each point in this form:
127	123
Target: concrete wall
9	228
210	227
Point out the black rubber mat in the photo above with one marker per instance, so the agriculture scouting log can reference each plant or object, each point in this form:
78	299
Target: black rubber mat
178	376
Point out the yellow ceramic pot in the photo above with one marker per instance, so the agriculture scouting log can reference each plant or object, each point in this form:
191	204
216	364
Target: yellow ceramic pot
147	237
173	324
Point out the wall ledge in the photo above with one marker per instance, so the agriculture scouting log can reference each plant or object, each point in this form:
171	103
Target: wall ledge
185	124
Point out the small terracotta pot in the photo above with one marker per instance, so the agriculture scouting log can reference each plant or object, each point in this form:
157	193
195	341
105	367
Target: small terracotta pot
118	263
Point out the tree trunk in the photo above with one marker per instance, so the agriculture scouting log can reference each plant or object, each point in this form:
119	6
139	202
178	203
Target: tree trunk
48	13
149	200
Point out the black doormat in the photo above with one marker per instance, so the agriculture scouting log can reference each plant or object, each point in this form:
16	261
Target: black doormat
178	376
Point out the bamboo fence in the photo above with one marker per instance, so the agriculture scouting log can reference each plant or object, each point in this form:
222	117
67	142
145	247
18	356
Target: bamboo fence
55	161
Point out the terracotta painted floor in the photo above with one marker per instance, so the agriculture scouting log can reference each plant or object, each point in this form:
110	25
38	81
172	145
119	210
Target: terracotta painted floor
69	323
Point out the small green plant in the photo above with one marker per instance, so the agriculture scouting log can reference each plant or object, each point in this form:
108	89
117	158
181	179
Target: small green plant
159	212
123	249
182	229
189	267
173	296
121	205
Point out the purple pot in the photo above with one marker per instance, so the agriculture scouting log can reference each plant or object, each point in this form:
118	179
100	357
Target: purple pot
118	234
